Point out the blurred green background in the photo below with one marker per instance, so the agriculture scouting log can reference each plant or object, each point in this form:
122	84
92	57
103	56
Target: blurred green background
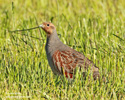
95	28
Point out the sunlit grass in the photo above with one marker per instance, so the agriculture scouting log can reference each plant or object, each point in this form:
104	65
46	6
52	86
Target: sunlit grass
95	28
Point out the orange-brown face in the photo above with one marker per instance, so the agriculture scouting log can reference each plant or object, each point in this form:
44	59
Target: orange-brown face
48	28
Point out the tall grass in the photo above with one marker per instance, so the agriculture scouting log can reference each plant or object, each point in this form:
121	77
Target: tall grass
95	28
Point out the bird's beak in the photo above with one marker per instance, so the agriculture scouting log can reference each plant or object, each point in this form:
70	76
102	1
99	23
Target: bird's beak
42	26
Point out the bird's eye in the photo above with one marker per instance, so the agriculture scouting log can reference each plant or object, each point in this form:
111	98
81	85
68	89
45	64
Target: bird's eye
47	24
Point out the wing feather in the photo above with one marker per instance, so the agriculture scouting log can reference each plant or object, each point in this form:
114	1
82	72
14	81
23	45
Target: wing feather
69	60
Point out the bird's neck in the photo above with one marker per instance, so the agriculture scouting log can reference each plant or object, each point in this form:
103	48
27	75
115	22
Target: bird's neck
52	43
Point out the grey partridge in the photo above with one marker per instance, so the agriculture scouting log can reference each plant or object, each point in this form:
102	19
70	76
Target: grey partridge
62	59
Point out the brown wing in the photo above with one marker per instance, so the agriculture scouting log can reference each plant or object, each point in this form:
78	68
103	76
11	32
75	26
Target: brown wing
64	61
68	60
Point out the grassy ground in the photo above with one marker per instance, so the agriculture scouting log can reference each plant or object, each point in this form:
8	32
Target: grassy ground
94	27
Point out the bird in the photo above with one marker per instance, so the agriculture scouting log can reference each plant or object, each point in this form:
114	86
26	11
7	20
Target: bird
63	59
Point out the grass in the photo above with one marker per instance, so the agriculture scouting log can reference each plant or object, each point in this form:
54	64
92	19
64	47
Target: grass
94	27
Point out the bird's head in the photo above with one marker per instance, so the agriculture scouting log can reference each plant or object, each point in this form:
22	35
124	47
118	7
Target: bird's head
48	27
